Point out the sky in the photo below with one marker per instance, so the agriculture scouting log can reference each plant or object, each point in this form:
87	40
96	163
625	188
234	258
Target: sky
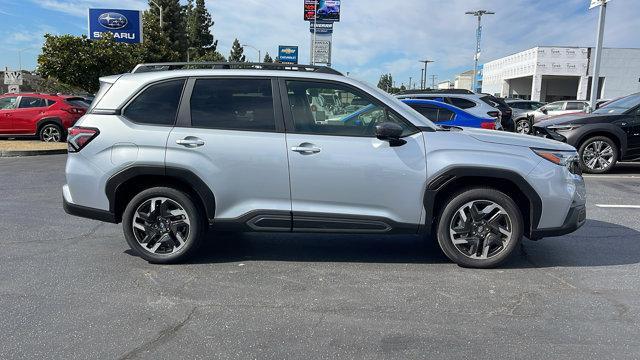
373	36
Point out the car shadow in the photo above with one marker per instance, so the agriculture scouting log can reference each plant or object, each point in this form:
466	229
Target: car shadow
625	168
597	243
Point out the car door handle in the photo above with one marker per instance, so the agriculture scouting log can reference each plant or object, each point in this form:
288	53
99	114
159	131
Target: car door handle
190	142
306	149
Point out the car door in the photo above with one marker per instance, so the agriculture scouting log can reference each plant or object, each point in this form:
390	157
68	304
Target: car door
26	115
631	125
7	107
230	134
342	177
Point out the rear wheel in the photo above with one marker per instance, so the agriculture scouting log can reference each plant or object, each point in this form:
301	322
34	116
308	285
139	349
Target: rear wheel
523	126
163	225
479	227
51	133
598	155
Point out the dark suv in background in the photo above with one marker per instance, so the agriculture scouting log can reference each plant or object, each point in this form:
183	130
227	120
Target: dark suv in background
603	137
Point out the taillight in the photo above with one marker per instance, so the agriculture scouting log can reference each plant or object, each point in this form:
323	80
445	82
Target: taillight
74	110
488	125
79	137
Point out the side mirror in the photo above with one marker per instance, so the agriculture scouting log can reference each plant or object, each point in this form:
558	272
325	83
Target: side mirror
543	110
390	132
588	109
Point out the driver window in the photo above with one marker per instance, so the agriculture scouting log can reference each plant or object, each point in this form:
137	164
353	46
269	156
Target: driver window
333	109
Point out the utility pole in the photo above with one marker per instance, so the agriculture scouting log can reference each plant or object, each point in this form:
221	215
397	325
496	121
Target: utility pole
256	49
424	78
421	78
313	41
409	82
595	79
433	81
478	14
160	8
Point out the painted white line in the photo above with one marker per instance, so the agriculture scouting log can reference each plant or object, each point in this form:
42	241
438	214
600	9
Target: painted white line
611	176
618	206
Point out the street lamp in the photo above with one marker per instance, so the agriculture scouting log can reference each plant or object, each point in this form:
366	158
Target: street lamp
423	83
478	14
20	56
595	78
254	48
160	8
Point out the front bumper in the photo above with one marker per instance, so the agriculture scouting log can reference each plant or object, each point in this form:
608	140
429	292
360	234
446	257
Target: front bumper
576	217
548	134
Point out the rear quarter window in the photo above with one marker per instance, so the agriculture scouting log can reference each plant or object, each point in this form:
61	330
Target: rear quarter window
461	103
157	104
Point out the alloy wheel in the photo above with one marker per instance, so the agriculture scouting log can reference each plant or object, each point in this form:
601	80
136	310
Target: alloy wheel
598	155
481	229
161	226
523	127
51	134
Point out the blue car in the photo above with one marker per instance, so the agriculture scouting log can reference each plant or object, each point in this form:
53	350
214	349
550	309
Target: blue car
444	114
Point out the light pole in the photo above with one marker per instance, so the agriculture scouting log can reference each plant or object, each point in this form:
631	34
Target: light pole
423	85
160	8
20	56
254	48
595	79
478	14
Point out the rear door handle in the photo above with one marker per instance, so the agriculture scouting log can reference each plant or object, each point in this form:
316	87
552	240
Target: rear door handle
308	149
190	141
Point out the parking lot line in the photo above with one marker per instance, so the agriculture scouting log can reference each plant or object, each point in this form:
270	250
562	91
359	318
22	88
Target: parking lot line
618	206
611	176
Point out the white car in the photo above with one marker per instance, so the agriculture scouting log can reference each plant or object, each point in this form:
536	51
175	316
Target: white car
560	108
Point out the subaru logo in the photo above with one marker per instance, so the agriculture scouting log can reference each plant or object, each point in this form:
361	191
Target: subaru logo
112	20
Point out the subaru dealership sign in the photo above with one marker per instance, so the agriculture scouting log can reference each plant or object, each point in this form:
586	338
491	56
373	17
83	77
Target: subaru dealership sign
288	54
125	25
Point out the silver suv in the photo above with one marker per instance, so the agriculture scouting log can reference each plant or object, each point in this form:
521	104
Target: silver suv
172	153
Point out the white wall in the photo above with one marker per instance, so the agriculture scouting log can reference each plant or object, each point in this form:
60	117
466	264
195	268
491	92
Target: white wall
621	70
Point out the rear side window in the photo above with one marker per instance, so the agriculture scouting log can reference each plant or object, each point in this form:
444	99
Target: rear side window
575	106
32	102
157	104
233	104
434	113
461	103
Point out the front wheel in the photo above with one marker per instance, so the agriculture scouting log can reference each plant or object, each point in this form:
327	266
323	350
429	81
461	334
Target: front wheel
598	155
479	227
523	126
163	225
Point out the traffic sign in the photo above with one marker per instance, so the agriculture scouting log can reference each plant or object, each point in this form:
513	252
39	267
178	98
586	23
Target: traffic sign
13	78
14	89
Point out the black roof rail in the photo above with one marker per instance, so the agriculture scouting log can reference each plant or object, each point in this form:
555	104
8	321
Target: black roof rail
140	68
436	91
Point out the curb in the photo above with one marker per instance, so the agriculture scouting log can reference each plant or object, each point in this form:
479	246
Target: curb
17	153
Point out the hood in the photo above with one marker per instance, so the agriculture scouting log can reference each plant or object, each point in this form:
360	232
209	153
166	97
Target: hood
509	138
578	118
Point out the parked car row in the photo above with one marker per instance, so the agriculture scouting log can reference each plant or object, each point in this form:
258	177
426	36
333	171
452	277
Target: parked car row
46	116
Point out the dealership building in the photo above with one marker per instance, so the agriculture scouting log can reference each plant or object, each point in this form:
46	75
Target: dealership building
562	73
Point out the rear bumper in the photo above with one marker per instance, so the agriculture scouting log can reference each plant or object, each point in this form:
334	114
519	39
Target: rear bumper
576	217
87	212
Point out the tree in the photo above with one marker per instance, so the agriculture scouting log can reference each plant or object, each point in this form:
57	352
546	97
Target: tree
169	43
78	61
236	52
267	58
386	82
211	55
199	25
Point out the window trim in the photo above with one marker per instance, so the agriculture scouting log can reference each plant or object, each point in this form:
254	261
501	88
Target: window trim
184	110
123	108
288	116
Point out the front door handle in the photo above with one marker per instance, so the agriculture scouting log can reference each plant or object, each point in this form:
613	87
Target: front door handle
306	148
190	141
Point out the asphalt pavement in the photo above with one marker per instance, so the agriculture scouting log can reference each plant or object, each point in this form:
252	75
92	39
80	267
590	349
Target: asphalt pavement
71	289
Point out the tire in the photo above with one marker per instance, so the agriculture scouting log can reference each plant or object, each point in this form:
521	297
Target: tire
523	126
598	155
167	231
483	243
51	133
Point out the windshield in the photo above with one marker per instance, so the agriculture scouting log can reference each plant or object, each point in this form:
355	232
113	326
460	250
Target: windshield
620	106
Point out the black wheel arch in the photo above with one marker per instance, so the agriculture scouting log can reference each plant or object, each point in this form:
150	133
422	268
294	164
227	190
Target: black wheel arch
49	120
611	131
121	187
452	180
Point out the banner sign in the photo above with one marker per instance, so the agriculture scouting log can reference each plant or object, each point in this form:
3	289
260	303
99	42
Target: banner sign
13	77
595	3
322	51
288	54
125	25
322	10
321	27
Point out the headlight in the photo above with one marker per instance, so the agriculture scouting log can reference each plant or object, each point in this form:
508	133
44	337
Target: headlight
558	157
564	127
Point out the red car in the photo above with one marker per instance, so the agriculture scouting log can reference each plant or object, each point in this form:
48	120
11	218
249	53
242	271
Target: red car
44	115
